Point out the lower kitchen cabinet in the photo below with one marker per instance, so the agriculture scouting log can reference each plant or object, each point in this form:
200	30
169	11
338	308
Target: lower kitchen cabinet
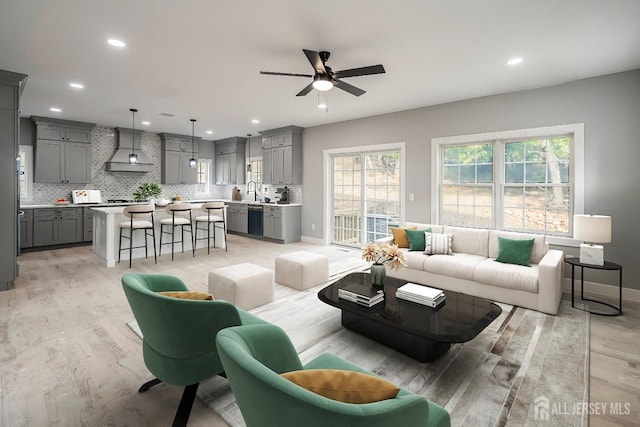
238	220
26	229
56	226
282	223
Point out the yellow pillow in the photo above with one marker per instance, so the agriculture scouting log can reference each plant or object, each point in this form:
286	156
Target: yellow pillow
400	236
188	295
344	386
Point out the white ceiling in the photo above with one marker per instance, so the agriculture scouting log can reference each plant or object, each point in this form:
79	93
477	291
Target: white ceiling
201	58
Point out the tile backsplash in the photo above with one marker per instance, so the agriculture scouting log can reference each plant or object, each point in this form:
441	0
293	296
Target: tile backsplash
121	185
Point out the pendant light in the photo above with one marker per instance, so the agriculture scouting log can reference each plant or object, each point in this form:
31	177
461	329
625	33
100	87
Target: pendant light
249	159
133	157
193	162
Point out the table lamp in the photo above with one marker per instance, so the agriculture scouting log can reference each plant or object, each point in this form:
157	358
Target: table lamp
592	229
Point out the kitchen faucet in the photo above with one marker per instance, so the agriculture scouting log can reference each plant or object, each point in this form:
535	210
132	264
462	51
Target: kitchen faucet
255	190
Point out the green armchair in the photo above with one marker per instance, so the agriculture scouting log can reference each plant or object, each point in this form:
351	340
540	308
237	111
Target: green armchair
178	342
253	358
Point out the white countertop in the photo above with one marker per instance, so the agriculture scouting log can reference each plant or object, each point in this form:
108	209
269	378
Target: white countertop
104	205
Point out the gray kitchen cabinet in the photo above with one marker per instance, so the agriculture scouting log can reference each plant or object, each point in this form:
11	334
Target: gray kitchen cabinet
63	151
283	224
177	150
62	162
56	226
238	220
64	133
282	156
87	224
26	228
229	162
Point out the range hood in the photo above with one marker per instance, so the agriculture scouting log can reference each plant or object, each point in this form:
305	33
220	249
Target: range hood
119	162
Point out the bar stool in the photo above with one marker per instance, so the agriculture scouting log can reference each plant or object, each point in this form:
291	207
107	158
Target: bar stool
137	221
180	217
215	215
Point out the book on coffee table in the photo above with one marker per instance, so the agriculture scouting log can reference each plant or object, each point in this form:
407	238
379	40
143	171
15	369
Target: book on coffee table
361	294
421	294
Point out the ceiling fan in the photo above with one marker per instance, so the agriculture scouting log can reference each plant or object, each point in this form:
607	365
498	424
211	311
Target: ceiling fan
325	78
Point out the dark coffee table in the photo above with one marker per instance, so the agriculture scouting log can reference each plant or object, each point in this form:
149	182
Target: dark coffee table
416	330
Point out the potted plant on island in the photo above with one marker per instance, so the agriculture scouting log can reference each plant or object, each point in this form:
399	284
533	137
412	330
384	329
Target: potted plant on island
147	191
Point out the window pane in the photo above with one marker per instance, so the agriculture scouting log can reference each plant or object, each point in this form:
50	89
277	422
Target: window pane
451	174
449	194
451	155
534	219
533	151
535	172
449	214
513	197
558	198
484	196
558	221
466	216
466	196
467	173
513	218
514	152
485	173
483	217
534	197
514	172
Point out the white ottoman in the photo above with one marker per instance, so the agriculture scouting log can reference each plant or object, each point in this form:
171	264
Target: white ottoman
244	285
302	270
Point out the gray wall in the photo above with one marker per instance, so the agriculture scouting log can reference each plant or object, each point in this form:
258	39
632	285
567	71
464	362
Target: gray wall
609	106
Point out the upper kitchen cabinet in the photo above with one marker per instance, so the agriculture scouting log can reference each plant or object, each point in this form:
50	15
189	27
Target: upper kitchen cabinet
177	150
230	159
282	156
63	151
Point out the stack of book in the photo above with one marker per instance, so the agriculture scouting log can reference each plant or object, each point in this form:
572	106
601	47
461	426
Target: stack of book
361	294
421	294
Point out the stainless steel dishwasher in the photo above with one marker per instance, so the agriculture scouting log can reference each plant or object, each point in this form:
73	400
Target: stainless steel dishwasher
255	219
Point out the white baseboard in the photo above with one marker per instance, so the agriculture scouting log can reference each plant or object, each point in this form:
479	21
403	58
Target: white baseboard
312	240
601	289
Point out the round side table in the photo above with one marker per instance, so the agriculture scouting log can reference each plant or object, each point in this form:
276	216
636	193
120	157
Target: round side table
612	266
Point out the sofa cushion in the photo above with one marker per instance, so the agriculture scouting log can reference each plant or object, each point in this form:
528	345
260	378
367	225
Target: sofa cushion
400	236
509	276
473	241
415	260
515	251
538	251
437	244
416	239
459	265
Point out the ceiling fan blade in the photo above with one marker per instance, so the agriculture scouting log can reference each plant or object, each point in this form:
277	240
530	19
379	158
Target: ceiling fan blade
362	71
306	90
314	59
348	88
273	73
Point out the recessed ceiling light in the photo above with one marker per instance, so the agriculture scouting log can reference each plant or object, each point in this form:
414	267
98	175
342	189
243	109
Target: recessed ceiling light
116	43
255	121
322	105
209	132
76	85
514	61
146	123
55	109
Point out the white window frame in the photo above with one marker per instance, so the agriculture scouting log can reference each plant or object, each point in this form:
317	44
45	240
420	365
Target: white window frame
207	186
28	172
327	179
576	166
250	175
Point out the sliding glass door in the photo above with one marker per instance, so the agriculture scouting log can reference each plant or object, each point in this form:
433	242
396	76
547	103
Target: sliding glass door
365	196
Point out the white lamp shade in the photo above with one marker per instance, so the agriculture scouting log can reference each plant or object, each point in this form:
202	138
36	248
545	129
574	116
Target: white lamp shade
592	228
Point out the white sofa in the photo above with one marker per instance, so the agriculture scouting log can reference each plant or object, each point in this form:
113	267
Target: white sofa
472	268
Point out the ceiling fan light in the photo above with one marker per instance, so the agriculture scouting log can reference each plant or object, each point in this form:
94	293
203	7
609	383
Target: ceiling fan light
322	83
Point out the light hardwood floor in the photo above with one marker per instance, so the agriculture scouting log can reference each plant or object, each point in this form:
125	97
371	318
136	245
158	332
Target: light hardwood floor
68	358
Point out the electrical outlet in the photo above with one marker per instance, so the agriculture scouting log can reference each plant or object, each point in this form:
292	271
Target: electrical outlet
313	226
412	197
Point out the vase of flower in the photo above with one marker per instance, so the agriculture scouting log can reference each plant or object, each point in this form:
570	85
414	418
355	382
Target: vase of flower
378	274
378	255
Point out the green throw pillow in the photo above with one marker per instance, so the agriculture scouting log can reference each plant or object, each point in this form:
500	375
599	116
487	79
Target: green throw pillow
515	251
416	239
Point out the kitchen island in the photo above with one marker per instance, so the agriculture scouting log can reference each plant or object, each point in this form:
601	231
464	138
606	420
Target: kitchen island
106	233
